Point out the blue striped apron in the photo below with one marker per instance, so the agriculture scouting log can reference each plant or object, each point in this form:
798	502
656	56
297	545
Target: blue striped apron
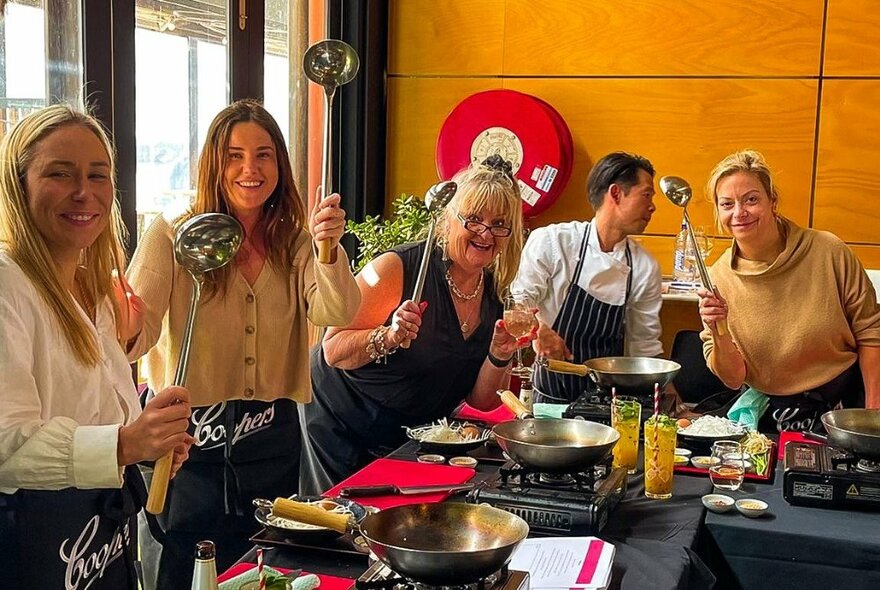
589	327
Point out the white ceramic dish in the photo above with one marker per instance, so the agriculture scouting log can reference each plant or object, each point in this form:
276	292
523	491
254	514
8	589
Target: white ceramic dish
704	462
751	507
684	452
680	460
718	502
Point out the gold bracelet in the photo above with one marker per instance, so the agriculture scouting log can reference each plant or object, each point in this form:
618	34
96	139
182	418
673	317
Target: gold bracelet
376	345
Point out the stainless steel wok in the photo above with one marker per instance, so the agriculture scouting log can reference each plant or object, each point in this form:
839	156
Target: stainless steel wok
443	544
632	375
856	430
553	445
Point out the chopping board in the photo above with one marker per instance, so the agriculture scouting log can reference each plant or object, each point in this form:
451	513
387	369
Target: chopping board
403	473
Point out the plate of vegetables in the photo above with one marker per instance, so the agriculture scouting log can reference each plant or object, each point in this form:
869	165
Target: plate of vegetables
449	437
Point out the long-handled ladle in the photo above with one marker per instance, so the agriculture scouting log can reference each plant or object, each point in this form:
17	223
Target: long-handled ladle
679	192
331	63
436	199
202	244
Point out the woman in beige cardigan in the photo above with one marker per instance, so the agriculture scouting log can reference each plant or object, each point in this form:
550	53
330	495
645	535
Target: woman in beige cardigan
803	317
249	362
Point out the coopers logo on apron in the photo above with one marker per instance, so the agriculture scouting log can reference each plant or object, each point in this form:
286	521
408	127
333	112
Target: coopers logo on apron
89	567
210	432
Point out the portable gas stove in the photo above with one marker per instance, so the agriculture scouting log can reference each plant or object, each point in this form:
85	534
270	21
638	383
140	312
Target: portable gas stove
595	406
825	477
556	504
381	577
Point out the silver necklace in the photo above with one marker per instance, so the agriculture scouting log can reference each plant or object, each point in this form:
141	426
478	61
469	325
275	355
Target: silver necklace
458	292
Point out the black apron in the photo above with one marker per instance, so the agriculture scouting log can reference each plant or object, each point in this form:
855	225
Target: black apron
590	328
71	539
802	411
243	450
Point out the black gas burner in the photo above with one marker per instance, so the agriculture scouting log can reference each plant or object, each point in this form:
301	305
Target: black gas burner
579	508
826	477
381	577
595	406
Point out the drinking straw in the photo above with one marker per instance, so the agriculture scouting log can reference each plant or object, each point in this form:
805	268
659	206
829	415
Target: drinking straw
260	570
656	418
613	395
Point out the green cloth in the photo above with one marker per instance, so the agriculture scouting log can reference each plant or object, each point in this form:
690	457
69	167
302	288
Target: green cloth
548	410
749	408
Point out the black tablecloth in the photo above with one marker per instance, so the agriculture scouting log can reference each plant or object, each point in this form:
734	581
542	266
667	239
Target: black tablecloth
655	540
795	547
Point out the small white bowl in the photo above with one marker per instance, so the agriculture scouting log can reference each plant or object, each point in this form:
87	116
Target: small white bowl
680	460
718	502
704	462
683	452
751	507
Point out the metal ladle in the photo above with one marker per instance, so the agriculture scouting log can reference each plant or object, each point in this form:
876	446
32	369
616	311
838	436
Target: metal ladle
331	63
436	199
202	244
679	192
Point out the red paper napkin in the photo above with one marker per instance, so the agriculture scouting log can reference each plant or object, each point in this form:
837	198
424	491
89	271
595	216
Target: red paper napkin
327	582
403	473
496	416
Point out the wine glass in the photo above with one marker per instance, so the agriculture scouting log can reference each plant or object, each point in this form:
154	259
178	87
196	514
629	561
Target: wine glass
727	468
519	321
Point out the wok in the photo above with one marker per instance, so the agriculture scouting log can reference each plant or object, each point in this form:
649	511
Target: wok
632	375
443	544
552	445
855	430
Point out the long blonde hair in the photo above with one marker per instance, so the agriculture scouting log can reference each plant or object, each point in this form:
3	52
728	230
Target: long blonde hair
283	214
482	186
24	243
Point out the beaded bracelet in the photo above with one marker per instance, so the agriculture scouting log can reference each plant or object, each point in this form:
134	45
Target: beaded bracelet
376	345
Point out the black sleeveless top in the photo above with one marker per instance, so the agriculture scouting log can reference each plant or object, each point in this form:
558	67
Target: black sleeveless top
429	379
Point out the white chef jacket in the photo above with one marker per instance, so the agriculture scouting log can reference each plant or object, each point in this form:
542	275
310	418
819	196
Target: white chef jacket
547	266
59	419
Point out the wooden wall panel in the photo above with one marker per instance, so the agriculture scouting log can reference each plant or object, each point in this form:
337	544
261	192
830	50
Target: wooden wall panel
417	108
430	37
662	38
846	173
851	46
869	255
684	127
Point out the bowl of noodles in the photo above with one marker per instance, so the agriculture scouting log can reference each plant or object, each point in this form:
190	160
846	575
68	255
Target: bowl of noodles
703	432
449	438
296	530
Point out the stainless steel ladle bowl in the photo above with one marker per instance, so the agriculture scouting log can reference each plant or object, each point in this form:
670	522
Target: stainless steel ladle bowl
202	244
331	63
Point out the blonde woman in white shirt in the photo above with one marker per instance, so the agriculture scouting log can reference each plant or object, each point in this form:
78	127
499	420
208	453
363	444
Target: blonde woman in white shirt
71	429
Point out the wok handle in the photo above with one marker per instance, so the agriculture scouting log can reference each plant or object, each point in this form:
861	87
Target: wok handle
310	514
509	399
815	437
566	368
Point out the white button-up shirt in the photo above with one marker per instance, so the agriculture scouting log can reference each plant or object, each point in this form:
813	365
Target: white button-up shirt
550	258
59	419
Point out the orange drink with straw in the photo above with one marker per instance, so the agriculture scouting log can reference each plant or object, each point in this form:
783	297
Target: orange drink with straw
626	417
660	434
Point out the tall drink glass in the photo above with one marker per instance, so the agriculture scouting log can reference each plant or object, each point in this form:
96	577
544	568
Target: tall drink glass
626	417
660	439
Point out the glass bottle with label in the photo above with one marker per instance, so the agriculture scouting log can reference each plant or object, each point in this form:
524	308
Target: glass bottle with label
205	568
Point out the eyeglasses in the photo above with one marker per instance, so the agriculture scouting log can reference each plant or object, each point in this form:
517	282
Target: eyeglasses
475	227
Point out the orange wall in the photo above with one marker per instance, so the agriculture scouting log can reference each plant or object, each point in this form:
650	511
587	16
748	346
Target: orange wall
683	83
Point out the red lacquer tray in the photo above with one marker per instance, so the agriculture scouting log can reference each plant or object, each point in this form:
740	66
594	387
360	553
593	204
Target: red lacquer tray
766	478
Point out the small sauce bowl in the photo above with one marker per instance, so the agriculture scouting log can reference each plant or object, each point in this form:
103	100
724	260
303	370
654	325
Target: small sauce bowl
704	462
717	502
751	507
679	460
683	452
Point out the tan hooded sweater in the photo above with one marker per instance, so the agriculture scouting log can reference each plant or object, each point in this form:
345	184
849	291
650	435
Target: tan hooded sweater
798	321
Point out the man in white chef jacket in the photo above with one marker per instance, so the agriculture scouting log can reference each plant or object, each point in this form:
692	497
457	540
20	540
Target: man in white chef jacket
597	291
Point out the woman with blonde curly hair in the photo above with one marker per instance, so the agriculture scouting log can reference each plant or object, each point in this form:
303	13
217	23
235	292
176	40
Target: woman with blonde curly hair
71	428
249	362
366	385
803	318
